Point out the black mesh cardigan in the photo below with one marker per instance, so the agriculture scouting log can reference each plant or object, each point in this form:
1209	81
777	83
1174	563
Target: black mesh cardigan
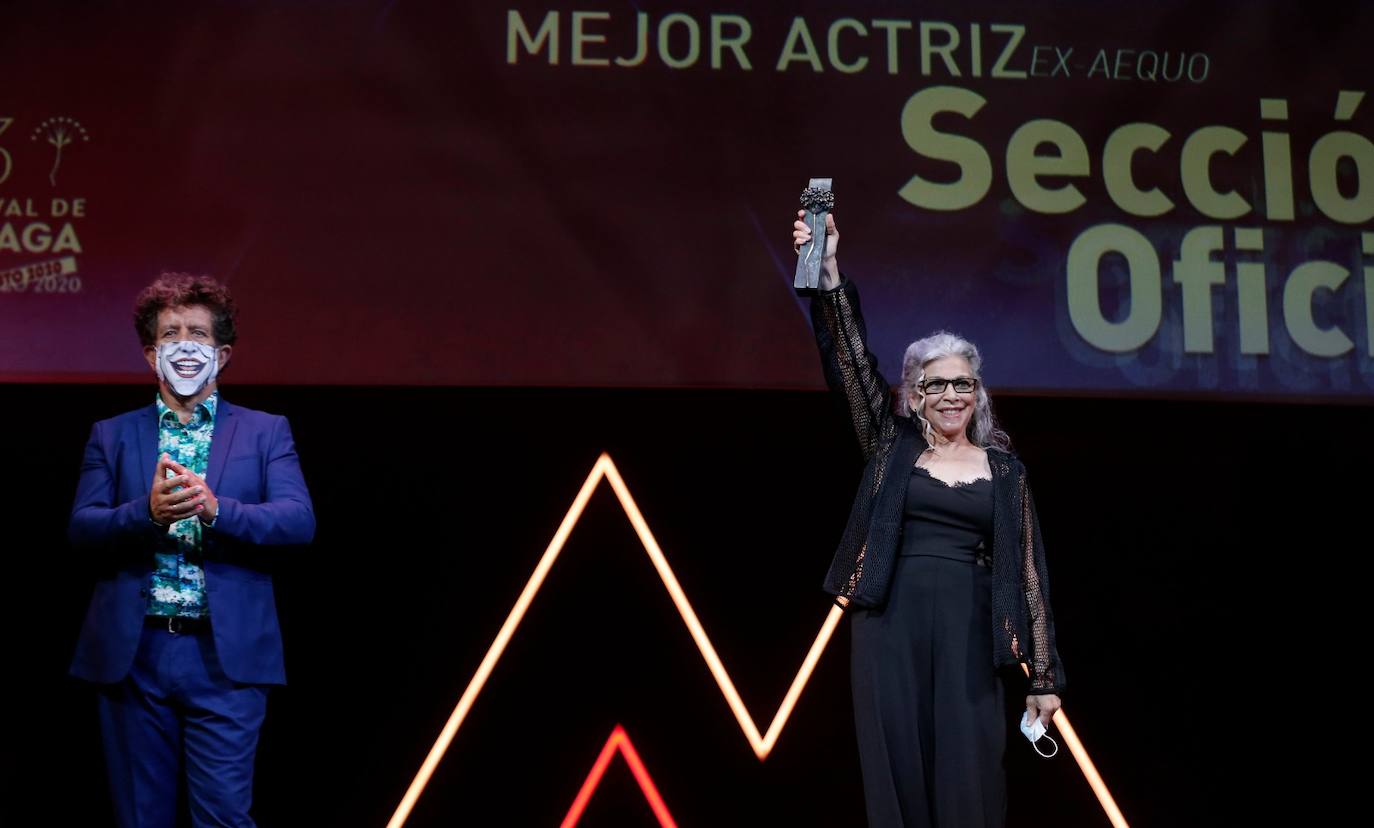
1022	623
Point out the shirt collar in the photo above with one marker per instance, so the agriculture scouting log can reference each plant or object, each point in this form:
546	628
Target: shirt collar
205	411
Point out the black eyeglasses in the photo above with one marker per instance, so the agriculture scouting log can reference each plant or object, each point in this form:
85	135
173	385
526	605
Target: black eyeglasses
937	385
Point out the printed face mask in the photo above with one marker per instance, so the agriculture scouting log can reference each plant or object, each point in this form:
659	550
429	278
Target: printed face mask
1035	731
187	366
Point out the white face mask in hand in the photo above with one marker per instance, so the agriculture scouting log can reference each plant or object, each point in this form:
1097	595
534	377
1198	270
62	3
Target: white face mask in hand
1035	731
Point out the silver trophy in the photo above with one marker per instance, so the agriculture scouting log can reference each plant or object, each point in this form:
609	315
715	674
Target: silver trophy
818	200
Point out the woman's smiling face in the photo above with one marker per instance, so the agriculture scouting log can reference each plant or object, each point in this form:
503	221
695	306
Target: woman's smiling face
949	411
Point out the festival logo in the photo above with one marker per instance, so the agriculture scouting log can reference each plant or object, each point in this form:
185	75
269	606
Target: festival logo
39	241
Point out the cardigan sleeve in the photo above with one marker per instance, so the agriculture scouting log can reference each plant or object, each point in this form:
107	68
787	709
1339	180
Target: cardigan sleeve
1042	658
851	370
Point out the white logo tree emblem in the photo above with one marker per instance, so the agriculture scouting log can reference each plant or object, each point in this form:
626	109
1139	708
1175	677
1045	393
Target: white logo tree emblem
61	132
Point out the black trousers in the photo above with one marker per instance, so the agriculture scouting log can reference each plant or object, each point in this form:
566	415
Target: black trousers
928	703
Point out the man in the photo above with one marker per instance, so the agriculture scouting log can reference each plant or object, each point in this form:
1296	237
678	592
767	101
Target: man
180	505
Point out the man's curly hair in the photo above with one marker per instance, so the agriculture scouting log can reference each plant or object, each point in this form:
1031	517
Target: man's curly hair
172	290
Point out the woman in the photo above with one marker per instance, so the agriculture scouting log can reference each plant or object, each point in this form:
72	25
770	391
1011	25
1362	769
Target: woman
942	567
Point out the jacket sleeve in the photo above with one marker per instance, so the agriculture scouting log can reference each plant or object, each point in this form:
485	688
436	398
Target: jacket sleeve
96	519
1046	672
287	515
850	370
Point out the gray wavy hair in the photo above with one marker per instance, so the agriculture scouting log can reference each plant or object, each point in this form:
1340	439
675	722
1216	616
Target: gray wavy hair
983	430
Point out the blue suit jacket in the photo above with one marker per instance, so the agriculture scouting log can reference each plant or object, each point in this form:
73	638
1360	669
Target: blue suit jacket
263	503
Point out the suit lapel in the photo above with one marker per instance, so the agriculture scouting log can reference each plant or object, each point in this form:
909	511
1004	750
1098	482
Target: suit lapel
225	421
147	445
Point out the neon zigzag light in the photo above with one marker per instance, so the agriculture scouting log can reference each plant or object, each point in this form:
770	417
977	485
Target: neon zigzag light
762	744
605	468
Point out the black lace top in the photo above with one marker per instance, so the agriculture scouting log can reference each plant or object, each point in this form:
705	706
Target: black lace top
947	521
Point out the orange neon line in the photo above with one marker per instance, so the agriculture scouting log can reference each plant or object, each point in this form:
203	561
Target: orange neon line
762	744
1085	764
619	741
498	646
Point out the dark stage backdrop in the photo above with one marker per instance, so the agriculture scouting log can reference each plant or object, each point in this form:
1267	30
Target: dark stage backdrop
1208	585
1165	198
